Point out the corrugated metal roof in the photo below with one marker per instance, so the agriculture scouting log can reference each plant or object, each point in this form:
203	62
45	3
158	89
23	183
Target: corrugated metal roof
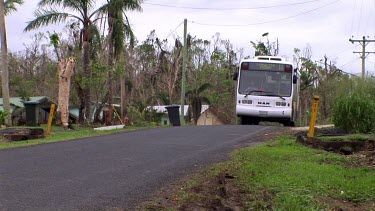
18	102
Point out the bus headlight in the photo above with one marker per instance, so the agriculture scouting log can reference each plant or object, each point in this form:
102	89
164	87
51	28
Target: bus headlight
247	102
280	103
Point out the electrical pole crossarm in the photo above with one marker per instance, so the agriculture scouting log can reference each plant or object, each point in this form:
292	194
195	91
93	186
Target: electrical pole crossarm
363	53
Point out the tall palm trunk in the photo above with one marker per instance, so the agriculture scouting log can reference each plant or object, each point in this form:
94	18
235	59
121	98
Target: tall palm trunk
81	96
4	65
110	58
110	62
123	97
86	71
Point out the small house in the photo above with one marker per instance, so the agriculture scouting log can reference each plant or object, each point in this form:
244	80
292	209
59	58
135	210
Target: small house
32	111
211	116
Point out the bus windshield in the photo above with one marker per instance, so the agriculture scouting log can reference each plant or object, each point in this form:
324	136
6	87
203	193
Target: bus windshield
263	82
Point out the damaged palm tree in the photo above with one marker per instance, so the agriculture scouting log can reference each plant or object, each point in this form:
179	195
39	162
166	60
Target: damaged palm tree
65	70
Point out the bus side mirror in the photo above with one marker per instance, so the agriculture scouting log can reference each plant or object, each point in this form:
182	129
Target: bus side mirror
295	78
235	76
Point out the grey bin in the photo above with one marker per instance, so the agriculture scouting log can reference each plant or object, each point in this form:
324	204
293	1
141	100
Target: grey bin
174	115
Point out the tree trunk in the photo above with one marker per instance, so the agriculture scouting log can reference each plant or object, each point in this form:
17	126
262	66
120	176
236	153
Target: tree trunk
123	97
4	66
110	58
65	70
81	97
87	76
110	62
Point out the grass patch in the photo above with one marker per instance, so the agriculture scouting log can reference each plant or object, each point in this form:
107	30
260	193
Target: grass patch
59	134
295	175
278	175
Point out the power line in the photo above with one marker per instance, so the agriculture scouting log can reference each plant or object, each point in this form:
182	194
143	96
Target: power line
360	18
238	8
348	73
174	29
339	68
346	64
336	54
354	9
265	22
367	19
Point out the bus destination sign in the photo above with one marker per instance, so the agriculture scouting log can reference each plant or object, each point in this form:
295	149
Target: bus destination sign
265	66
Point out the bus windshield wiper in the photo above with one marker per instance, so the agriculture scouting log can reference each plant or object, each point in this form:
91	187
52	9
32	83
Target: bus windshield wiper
272	94
252	91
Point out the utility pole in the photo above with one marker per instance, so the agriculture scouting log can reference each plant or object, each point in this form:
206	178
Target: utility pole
363	54
184	59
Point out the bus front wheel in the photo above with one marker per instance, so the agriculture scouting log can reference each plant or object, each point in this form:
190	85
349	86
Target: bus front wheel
249	121
289	123
244	120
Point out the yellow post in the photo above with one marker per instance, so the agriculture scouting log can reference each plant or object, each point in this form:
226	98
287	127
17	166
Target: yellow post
52	110
313	117
118	116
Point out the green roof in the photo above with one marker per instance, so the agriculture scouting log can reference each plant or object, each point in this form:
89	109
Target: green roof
18	102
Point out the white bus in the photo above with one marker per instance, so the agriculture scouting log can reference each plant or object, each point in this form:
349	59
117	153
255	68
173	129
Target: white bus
267	90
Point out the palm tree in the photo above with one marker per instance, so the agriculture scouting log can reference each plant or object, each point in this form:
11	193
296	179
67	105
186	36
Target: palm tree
10	6
5	8
118	29
195	99
47	14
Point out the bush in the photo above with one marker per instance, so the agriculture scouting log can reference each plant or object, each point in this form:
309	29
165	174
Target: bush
3	115
144	117
354	110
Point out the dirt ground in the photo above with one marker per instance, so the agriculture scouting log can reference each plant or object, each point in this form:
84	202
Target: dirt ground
220	192
363	151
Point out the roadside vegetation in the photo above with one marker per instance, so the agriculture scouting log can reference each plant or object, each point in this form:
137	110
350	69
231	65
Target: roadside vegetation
59	134
297	178
278	175
354	107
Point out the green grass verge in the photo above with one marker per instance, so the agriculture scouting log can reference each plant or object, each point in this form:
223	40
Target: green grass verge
294	176
59	134
284	175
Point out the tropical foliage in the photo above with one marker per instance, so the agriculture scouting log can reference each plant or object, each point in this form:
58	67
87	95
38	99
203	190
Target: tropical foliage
354	108
113	67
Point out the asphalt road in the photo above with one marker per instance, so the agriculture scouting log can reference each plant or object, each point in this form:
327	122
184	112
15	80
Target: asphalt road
118	170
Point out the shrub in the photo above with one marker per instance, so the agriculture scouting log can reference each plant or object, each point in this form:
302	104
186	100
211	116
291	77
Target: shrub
354	110
3	115
144	117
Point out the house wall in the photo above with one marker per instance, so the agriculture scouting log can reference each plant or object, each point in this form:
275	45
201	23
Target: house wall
209	118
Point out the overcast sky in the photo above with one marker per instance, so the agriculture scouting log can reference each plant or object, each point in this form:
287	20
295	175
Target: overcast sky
325	25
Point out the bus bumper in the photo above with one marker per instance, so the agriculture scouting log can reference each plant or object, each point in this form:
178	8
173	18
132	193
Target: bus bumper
264	112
